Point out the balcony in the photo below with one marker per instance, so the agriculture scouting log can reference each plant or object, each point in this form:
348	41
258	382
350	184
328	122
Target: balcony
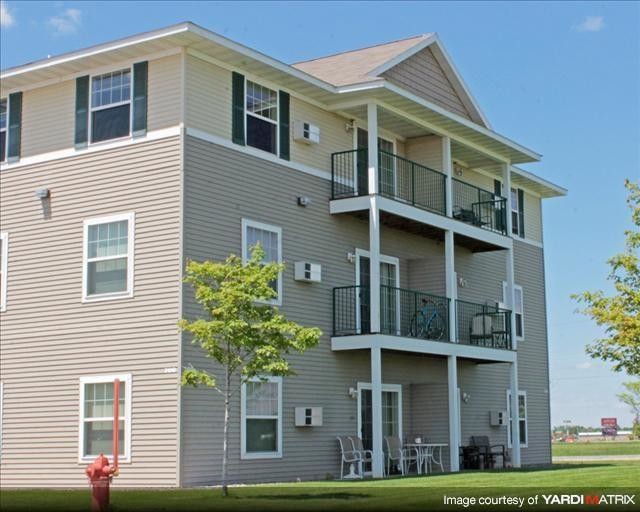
410	184
419	315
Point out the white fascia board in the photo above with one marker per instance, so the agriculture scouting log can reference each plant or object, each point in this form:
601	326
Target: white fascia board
420	346
557	189
96	50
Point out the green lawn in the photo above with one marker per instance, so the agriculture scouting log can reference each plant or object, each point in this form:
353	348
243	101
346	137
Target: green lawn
398	494
596	448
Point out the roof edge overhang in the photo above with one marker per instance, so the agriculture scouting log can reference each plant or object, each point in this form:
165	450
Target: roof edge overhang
545	188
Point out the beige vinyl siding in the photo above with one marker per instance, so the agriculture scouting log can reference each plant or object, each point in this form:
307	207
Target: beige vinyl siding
532	217
50	338
333	135
48	113
208	101
426	151
422	75
48	118
164	92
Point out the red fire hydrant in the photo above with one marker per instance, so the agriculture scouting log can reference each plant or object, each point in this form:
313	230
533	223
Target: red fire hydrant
100	474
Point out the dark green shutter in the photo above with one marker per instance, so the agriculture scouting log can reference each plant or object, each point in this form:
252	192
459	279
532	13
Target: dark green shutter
140	97
15	120
237	114
501	212
521	213
82	111
284	125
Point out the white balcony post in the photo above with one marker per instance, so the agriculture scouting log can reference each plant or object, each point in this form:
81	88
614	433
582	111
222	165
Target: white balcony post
377	464
515	416
510	267
454	413
447	168
451	284
374	218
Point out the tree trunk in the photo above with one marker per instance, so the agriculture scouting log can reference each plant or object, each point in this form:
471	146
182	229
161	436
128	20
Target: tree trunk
225	436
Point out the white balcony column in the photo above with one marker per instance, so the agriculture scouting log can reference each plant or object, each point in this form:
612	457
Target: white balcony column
447	168
510	267
515	416
374	218
454	413
377	463
451	281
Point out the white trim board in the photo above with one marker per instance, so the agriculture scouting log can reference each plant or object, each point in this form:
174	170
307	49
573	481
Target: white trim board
4	278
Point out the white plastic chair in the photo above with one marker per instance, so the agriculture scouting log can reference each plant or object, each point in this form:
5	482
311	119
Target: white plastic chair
366	456
348	455
402	457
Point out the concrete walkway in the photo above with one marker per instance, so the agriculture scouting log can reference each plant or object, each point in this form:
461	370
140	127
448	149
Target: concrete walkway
594	458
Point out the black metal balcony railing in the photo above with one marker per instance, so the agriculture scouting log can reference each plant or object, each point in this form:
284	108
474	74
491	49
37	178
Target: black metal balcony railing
479	207
402	313
483	325
398	178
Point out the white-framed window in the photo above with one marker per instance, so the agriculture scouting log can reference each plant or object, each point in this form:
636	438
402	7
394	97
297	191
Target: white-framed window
4	268
522	419
515	212
110	101
518	307
96	417
261	117
261	418
108	257
270	239
4	120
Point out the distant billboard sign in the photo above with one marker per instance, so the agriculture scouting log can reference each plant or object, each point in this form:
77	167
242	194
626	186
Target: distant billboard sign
609	426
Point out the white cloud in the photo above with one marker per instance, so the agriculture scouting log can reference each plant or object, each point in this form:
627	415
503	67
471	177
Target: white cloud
67	22
590	24
6	17
584	366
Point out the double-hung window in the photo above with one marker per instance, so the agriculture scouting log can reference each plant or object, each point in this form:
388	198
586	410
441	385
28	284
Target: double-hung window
3	129
518	307
522	418
261	418
4	265
111	105
96	416
270	239
108	257
261	105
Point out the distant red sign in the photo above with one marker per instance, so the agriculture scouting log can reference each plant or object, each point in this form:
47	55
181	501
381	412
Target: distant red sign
609	422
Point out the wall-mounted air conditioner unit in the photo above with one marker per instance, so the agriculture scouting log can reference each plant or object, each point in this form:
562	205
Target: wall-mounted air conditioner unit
308	272
306	132
308	416
498	418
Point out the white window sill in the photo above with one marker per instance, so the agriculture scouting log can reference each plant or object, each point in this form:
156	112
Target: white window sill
107	297
89	460
261	455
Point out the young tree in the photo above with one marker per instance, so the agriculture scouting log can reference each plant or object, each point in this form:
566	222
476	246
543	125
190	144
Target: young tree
631	397
620	313
246	336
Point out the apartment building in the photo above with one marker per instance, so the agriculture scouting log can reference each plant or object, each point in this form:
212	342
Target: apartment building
410	237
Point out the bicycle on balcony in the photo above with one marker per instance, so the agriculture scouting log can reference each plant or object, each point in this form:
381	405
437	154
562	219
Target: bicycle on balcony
427	322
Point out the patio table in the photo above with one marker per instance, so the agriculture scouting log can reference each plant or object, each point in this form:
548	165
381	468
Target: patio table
426	455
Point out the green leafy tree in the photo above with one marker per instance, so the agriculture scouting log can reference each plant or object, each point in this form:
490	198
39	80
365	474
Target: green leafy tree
245	335
620	313
631	397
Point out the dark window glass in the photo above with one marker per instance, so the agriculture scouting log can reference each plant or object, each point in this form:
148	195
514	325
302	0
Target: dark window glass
523	432
110	123
514	222
518	325
261	134
3	146
262	435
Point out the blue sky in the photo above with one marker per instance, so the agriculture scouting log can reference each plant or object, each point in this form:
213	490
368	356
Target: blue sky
562	78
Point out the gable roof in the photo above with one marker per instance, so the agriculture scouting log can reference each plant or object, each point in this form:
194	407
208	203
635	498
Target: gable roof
356	66
369	64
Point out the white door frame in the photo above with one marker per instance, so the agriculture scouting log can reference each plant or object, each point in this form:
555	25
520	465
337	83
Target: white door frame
392	260
393	388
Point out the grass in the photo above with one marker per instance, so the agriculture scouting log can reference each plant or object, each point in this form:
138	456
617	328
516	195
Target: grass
396	494
596	448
